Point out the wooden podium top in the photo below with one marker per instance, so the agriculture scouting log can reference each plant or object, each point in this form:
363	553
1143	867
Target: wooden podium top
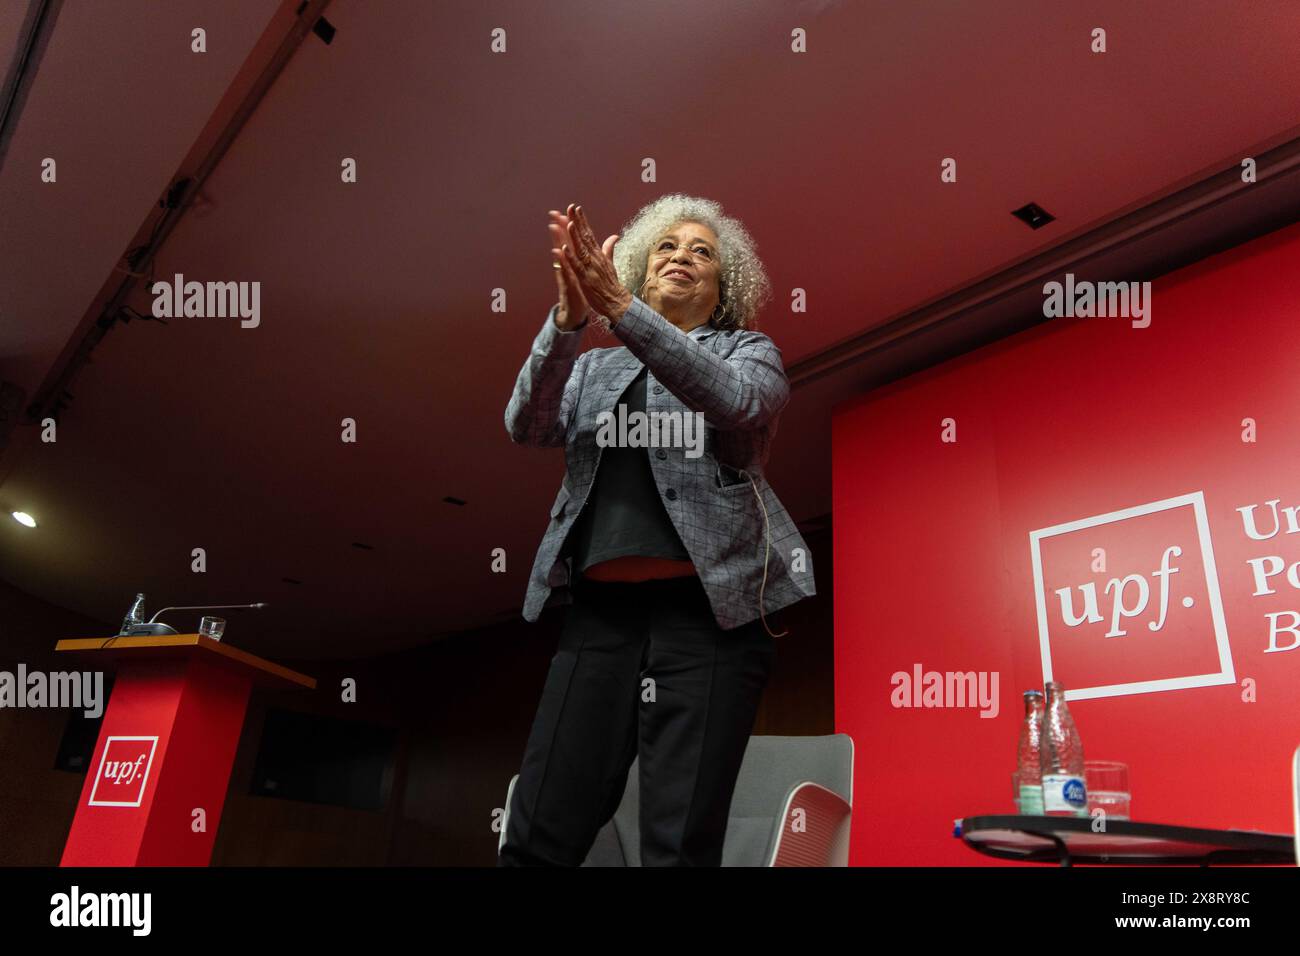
182	646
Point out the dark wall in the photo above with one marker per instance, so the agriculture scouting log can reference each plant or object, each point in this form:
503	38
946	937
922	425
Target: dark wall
37	802
461	708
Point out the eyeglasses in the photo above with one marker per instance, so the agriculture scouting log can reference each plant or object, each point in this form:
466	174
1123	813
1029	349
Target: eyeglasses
699	251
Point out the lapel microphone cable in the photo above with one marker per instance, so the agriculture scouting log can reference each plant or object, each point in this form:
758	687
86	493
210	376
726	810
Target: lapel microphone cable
767	542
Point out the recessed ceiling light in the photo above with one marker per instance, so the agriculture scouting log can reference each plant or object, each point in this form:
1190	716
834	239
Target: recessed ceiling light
22	517
1033	215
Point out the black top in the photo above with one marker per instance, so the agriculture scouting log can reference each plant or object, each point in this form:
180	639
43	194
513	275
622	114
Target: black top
624	514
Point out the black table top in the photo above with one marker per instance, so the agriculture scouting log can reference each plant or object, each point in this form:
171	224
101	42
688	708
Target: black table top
1066	840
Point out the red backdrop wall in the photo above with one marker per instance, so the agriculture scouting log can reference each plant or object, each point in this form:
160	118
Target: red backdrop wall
1104	438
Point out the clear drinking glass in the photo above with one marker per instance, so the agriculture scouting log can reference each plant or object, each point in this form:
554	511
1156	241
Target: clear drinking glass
1108	790
212	627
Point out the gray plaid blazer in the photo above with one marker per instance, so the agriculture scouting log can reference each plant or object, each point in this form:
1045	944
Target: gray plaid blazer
736	379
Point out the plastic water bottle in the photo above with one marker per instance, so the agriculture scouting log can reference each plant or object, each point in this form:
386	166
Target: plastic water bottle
135	615
1064	793
1030	756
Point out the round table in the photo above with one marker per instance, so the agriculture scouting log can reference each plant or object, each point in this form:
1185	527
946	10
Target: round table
1067	840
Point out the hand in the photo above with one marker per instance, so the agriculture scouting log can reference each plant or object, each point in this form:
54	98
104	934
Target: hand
572	313
591	268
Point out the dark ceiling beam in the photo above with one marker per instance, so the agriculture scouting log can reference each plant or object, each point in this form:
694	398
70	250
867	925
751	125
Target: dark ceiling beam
33	38
184	187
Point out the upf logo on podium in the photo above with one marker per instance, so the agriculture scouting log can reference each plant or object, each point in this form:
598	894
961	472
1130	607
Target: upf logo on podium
1129	603
123	772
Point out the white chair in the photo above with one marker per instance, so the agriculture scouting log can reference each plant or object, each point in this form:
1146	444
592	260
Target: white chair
1295	801
792	806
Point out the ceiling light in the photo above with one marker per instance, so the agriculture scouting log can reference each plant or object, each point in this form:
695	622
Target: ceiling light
1033	215
22	517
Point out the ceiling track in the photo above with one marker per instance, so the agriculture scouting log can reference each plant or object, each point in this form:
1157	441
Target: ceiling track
185	186
34	36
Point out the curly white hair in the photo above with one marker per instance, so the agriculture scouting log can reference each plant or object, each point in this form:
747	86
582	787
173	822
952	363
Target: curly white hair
744	286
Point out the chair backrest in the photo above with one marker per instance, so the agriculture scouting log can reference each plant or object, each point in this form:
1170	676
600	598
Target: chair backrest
772	767
1295	801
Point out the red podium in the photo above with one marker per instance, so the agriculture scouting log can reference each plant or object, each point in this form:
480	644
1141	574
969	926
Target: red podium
157	781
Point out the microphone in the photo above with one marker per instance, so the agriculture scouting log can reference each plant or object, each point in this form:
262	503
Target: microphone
155	628
207	607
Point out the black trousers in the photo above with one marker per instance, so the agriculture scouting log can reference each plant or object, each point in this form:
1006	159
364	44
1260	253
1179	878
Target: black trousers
642	668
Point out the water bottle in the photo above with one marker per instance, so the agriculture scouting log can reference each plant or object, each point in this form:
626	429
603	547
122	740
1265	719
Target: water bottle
1030	757
135	615
1064	794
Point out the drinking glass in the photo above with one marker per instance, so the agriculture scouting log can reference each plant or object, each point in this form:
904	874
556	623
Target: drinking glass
212	627
1108	790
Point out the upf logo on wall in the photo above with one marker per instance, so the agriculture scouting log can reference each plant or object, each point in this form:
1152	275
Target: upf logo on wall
1129	602
123	772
